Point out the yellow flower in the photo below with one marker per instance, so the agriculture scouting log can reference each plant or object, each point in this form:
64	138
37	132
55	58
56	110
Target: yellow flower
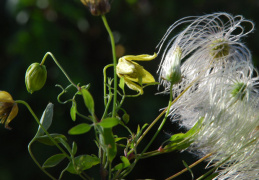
132	72
8	108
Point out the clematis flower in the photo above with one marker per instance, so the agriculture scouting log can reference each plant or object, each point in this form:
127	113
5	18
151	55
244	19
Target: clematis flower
134	74
8	108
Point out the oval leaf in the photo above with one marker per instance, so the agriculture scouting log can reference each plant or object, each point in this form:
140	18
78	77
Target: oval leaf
53	160
46	119
82	163
88	99
46	140
109	141
109	122
73	111
80	129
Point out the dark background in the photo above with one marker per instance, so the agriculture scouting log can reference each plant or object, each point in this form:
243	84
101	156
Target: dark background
79	41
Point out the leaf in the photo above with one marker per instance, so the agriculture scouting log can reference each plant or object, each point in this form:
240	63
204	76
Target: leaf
88	99
73	111
53	160
80	129
74	148
188	168
46	119
126	118
82	163
122	83
125	163
46	140
109	122
109	141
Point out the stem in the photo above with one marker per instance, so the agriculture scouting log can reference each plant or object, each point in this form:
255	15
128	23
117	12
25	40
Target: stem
36	162
46	132
114	64
104	83
162	123
191	166
60	67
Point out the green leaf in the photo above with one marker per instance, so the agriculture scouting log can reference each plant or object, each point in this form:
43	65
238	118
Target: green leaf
80	129
195	129
46	119
109	141
177	138
188	168
46	140
73	111
65	144
88	99
109	122
125	163
126	118
82	163
122	83
53	160
74	148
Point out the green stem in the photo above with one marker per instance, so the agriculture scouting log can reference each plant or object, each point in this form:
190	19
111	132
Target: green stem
114	63
36	162
60	67
104	83
46	132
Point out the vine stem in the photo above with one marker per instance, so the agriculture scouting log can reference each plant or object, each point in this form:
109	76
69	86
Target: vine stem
60	67
36	162
114	64
38	121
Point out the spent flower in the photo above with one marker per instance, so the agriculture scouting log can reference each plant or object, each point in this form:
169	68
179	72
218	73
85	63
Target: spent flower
8	108
97	7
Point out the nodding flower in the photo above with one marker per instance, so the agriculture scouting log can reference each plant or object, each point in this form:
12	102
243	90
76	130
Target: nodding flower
133	73
8	108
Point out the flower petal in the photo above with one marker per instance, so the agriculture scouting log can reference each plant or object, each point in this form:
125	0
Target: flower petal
133	86
5	97
142	57
12	115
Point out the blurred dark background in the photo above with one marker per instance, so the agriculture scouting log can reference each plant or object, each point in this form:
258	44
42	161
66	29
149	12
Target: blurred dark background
79	41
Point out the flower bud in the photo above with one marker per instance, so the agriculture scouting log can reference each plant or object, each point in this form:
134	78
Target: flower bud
173	69
97	7
35	77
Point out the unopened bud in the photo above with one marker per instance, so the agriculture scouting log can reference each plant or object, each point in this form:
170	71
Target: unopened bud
173	70
35	77
97	7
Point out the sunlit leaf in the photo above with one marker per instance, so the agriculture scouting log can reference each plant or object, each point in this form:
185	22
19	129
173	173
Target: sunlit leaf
46	119
53	160
74	148
109	122
88	99
73	111
82	163
80	129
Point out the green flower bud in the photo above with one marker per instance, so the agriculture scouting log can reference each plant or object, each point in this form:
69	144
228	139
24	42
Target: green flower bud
35	77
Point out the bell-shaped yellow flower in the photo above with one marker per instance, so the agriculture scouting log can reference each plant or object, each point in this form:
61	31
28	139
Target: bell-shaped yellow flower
8	108
132	72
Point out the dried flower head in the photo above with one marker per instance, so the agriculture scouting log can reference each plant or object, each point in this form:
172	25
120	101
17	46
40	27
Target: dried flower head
209	44
97	7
